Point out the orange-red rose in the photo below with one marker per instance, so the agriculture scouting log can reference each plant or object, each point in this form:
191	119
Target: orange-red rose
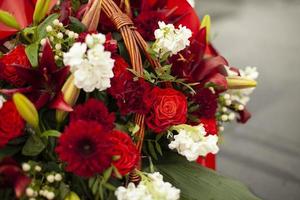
168	107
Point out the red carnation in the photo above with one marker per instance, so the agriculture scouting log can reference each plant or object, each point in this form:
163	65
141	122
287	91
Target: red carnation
127	91
94	110
11	123
207	102
85	147
7	68
126	152
168	107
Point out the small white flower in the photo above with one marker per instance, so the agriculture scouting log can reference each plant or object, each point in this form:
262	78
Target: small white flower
71	34
37	168
94	39
2	101
192	142
231	116
26	167
50	195
74	57
43	41
29	192
152	187
60	35
56	22
170	40
92	68
49	28
50	178
224	118
58	177
60	25
58	46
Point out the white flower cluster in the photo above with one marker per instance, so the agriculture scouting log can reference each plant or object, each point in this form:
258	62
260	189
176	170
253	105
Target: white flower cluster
2	100
90	63
152	187
170	40
192	142
191	2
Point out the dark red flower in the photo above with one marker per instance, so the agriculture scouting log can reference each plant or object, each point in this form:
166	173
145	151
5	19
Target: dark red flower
7	69
210	125
125	151
245	115
147	23
85	147
207	102
94	110
11	123
126	90
45	81
167	107
11	175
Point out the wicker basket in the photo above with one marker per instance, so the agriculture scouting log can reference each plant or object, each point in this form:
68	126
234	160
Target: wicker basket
134	43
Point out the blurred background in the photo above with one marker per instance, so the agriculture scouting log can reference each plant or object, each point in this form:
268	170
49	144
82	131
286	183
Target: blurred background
265	153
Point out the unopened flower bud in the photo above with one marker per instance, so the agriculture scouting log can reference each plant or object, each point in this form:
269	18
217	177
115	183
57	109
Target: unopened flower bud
26	167
26	109
50	178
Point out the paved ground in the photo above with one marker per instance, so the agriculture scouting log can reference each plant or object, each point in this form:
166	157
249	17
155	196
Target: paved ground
265	153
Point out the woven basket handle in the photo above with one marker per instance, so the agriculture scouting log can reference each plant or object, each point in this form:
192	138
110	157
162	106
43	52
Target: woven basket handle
133	42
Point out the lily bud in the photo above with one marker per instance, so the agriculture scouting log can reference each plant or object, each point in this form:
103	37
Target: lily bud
72	196
70	95
40	11
206	23
7	19
240	83
26	109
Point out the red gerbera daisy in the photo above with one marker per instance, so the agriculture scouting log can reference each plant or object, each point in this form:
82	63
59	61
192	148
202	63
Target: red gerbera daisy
85	146
94	110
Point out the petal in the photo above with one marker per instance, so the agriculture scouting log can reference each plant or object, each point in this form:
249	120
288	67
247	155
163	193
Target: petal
60	104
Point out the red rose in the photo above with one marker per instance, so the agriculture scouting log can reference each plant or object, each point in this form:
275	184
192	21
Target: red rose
94	110
167	107
7	68
126	152
11	123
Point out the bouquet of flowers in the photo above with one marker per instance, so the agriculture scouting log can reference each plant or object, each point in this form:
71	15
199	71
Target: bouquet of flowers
105	99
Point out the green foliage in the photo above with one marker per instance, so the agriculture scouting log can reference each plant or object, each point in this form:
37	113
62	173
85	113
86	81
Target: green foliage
51	133
32	49
199	183
100	186
33	146
8	151
76	26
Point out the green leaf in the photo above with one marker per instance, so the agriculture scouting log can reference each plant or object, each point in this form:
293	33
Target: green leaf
8	151
197	182
32	50
33	146
64	190
41	30
152	150
158	148
106	175
32	53
76	25
51	133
